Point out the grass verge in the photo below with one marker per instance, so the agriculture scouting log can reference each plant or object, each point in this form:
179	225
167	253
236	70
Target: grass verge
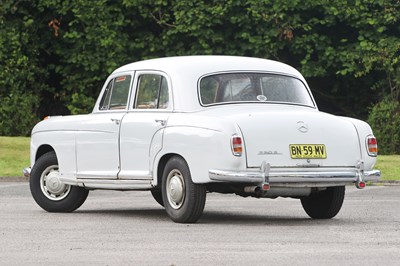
389	166
14	156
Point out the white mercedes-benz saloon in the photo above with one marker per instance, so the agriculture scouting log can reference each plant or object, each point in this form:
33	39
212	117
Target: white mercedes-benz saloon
184	126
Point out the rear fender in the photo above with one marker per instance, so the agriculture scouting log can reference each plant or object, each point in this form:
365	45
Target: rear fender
203	149
363	131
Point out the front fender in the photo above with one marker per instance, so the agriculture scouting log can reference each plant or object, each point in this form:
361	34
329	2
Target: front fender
63	143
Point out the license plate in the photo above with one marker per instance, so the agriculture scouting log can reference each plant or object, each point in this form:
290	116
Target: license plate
307	151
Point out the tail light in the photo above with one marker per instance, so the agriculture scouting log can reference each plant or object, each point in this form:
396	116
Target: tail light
236	144
372	146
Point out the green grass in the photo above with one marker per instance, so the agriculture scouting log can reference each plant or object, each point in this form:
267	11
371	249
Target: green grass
389	166
14	156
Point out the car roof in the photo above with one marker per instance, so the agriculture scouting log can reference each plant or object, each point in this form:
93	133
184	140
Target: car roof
204	64
186	71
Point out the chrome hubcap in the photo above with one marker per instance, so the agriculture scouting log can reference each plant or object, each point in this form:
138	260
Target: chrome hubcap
175	189
51	185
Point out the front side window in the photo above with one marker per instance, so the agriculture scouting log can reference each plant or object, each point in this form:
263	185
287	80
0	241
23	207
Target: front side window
253	87
152	92
116	93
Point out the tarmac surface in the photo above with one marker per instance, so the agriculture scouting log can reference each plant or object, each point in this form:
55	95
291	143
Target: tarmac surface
130	228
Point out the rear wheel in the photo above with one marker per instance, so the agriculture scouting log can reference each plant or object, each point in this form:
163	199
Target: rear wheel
47	189
183	200
324	204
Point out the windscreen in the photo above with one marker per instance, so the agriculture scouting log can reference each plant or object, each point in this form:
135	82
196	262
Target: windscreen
253	87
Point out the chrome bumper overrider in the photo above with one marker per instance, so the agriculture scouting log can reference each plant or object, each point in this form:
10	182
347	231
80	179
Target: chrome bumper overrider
298	178
27	171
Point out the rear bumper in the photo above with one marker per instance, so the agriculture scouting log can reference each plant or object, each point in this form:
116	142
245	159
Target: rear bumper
297	177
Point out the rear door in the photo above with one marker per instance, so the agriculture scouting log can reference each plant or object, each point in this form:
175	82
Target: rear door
143	126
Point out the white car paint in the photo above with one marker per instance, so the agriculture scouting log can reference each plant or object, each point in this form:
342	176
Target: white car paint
123	149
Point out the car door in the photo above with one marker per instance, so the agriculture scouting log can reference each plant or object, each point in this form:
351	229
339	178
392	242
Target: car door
143	126
97	141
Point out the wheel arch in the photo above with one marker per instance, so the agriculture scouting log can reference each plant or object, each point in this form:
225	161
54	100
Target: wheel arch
43	149
161	165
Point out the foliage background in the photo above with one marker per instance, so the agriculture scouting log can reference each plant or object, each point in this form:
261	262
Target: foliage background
56	54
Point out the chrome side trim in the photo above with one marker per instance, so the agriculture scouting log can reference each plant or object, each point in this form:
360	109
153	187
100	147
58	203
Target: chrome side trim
116	184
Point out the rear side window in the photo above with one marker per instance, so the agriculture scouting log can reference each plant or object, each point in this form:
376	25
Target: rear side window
116	93
152	92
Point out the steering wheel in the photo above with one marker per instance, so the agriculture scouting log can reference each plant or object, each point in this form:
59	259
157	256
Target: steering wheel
248	94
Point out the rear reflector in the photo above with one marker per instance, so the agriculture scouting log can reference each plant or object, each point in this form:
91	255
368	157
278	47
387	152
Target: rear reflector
361	184
236	144
372	146
265	187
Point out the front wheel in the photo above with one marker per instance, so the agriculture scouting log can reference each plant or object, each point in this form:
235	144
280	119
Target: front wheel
47	189
324	204
183	200
156	193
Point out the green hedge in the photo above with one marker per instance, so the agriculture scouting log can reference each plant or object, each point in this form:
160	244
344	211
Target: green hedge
17	114
385	122
56	54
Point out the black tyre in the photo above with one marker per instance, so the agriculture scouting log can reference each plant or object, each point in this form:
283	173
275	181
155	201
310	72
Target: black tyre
47	189
183	200
324	204
157	195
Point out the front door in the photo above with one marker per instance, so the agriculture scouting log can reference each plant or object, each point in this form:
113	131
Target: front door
97	141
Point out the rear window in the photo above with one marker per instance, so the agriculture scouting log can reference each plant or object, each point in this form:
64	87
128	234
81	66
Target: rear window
253	87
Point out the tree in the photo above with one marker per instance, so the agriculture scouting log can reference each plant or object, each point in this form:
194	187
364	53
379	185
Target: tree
20	71
58	53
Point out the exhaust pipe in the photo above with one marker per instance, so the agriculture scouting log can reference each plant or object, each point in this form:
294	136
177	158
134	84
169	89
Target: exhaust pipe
274	192
251	189
256	190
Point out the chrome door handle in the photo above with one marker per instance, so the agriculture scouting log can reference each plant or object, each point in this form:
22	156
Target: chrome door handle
116	121
162	122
